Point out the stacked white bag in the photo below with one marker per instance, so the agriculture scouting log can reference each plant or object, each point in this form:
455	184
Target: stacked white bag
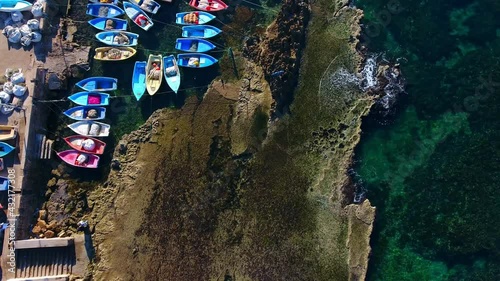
17	32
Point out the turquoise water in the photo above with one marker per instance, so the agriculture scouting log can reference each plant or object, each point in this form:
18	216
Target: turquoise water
433	171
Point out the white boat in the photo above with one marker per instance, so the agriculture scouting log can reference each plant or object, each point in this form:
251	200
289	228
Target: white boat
90	128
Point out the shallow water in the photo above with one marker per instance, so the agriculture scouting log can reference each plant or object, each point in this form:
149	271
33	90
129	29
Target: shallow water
433	170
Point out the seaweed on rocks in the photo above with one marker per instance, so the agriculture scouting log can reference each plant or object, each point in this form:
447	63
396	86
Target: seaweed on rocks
279	51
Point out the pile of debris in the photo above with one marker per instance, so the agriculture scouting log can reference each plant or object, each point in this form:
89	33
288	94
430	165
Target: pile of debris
12	91
17	30
42	229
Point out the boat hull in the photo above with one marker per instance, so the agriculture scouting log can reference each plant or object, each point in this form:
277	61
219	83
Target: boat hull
5	149
200	31
173	81
208	5
15	6
139	79
98	10
81	113
76	142
7	132
194	45
204	60
90	128
109	38
98	84
102	53
153	81
203	18
138	16
71	156
100	23
90	98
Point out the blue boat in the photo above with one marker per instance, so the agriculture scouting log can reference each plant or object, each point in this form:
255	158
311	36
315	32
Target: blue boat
9	6
117	24
138	16
86	113
90	98
98	84
139	79
194	45
200	31
102	10
117	38
202	18
5	149
4	184
195	60
172	73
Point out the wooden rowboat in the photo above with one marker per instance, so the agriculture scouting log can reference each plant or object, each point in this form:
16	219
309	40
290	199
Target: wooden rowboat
202	18
117	38
139	79
194	45
208	5
84	112
114	53
84	144
195	60
172	73
10	6
78	159
108	23
138	16
154	75
7	132
90	98
98	84
90	128
5	149
200	31
104	10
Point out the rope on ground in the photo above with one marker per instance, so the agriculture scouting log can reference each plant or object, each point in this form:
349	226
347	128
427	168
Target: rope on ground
122	97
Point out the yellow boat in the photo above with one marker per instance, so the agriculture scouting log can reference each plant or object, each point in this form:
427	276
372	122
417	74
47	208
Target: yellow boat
7	132
154	74
114	53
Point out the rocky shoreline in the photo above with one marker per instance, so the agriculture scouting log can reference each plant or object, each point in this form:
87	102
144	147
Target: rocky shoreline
188	190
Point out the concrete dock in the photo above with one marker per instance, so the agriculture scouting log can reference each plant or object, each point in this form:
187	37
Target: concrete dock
37	259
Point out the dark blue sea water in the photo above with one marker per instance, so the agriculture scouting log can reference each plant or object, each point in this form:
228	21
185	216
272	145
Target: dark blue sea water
433	167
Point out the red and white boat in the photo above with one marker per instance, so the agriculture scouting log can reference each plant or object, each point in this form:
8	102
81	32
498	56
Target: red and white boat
79	159
208	5
86	144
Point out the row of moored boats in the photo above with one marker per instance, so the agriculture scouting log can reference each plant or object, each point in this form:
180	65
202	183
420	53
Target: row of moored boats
90	107
147	75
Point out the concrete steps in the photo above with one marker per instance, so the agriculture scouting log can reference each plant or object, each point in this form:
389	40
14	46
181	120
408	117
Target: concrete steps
45	262
43	147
